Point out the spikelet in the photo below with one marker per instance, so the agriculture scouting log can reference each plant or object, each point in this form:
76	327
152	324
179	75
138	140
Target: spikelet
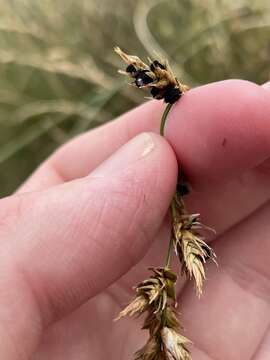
156	297
154	291
189	244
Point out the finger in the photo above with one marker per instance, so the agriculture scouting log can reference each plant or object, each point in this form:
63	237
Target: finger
221	206
220	130
231	319
263	350
68	243
217	130
229	191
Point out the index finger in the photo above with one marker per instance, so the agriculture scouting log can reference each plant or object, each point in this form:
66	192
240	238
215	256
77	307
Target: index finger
217	130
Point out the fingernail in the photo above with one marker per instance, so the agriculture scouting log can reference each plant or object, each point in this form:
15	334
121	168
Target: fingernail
135	150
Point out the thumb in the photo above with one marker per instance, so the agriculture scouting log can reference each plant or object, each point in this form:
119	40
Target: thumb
64	245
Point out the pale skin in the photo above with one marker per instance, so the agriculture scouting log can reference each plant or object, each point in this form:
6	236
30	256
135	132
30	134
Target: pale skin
85	226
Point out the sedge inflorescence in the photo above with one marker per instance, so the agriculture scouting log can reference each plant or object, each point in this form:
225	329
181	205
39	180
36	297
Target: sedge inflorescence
156	296
189	243
157	76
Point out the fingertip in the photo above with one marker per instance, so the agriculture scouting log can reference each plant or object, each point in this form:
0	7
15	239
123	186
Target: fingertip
147	154
219	130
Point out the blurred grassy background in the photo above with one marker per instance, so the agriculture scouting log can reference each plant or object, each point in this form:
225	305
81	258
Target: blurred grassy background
58	71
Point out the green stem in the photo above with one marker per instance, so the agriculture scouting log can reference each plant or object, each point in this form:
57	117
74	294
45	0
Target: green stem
169	254
164	118
170	248
162	128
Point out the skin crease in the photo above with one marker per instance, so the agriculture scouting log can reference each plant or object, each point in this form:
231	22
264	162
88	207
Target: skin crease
85	226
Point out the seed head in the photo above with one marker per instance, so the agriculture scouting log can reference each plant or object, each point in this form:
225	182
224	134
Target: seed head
191	248
157	76
153	292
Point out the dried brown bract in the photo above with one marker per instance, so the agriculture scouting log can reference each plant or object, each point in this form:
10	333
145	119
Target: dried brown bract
175	345
152	350
136	307
166	344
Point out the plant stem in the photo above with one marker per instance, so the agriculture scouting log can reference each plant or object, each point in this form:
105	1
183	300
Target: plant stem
164	118
170	248
169	254
162	128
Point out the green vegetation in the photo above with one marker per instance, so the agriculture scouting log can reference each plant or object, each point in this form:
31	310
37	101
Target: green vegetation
58	71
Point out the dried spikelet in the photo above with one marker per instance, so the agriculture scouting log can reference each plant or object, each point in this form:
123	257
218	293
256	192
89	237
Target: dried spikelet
156	296
154	291
159	287
154	321
174	345
131	59
166	345
157	76
191	248
170	346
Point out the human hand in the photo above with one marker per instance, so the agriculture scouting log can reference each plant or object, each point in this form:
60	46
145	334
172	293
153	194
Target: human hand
75	235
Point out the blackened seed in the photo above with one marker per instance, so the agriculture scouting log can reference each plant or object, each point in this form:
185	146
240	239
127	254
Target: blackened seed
139	81
154	91
171	95
131	69
183	189
158	64
142	78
